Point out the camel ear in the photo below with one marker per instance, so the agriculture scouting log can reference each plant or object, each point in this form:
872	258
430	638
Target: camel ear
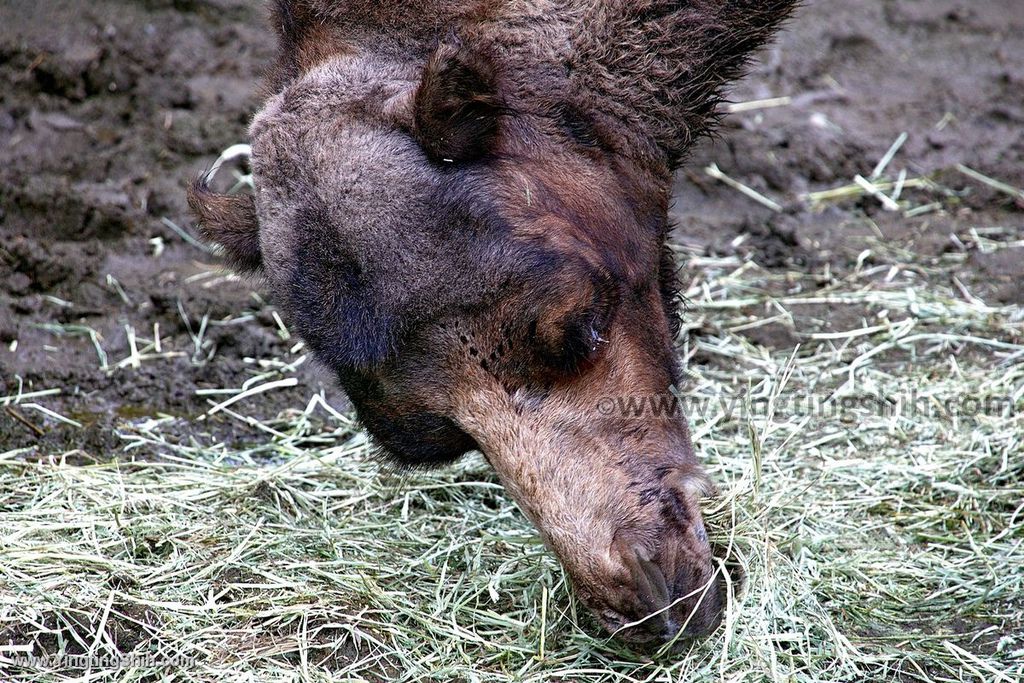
661	65
457	107
230	222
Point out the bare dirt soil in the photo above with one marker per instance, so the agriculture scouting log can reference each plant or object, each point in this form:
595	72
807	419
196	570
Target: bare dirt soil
107	109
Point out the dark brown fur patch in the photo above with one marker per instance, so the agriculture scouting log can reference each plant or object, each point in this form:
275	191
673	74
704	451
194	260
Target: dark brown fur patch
229	221
457	106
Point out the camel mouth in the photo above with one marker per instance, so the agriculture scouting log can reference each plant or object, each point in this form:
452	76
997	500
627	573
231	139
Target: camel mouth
666	614
661	584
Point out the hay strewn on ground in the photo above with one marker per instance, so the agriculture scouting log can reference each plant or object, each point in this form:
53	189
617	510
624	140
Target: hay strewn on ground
877	514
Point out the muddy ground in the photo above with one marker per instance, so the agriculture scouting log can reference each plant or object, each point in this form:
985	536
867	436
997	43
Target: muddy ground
107	109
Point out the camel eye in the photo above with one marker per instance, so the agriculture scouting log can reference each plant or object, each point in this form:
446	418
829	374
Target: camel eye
590	342
574	317
596	339
579	339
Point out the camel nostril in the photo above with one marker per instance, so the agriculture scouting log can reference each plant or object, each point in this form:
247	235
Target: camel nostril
702	612
612	620
652	578
672	628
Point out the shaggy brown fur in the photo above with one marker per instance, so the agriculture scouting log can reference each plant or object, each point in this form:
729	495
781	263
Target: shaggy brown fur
462	207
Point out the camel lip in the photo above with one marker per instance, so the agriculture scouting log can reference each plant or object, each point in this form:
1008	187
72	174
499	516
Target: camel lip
660	611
